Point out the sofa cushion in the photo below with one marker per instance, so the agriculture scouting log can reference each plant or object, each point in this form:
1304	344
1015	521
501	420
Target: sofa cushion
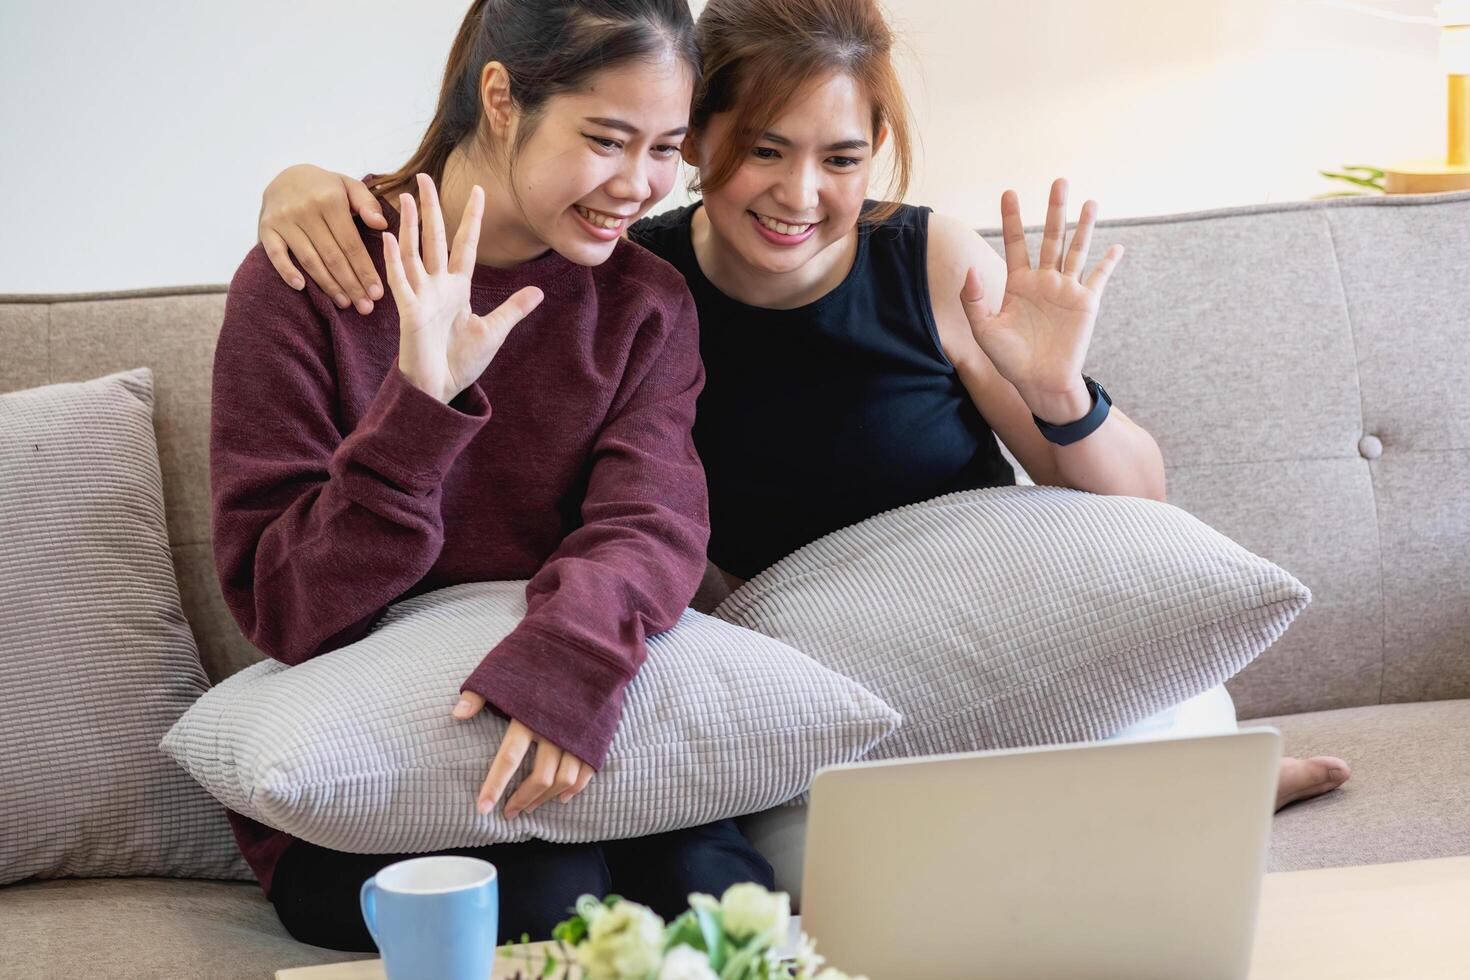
356	750
1408	798
98	659
1023	615
146	928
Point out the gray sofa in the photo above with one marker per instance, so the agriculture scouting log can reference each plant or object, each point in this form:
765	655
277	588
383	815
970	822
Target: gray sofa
1304	368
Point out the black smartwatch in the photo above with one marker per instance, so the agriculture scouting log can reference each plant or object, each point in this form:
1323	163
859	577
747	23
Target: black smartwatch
1065	435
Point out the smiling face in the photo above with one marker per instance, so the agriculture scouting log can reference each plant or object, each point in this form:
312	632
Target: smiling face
599	158
800	190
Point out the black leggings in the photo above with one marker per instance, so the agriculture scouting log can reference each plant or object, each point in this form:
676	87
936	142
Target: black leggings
315	890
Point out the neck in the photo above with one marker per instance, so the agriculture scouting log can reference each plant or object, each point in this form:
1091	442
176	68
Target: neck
723	266
505	238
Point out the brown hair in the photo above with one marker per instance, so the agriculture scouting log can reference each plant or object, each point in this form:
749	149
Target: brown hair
548	47
759	53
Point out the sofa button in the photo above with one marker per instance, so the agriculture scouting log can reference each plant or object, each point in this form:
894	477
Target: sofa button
1370	447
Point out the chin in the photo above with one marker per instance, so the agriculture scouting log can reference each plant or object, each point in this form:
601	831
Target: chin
583	252
778	261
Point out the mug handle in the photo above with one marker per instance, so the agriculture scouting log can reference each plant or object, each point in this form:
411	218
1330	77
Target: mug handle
368	899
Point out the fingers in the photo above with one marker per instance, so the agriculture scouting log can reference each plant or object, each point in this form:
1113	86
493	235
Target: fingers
393	265
467	241
1104	268
536	785
408	227
328	242
972	298
513	749
344	231
436	257
1056	227
469	705
364	203
499	321
1081	240
583	779
567	771
1013	233
301	246
280	256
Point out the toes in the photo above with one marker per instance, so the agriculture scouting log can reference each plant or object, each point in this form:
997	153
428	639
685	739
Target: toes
1335	771
1303	779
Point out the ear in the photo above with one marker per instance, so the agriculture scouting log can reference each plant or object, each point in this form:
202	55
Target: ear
689	149
880	139
499	107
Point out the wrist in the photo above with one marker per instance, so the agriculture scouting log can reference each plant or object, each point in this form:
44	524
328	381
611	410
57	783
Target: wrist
1069	432
1059	407
425	381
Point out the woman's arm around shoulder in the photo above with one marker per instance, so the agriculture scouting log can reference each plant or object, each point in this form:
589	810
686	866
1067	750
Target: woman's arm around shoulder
306	215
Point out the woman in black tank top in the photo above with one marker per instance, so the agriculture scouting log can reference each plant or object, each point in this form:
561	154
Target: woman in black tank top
859	355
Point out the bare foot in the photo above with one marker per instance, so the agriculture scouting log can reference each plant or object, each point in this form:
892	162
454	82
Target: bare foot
1302	779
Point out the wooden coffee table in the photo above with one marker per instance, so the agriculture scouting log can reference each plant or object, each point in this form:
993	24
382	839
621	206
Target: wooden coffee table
1362	923
1366	923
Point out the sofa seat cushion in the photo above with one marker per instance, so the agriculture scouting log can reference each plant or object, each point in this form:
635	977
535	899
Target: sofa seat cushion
1409	795
148	927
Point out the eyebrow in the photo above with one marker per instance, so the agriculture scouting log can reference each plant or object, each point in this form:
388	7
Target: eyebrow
839	145
628	127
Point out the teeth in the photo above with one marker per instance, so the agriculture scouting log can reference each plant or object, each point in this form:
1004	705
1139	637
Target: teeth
600	220
781	227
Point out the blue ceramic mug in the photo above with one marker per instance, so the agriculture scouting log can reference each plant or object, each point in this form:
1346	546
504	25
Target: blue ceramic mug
434	918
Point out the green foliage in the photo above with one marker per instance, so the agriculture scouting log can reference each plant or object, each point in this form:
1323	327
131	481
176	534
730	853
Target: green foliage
1368	179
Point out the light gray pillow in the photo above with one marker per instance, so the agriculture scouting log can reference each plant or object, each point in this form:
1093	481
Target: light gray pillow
356	750
1023	615
96	659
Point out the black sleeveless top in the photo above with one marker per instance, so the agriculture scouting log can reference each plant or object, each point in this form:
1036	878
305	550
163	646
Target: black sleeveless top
821	416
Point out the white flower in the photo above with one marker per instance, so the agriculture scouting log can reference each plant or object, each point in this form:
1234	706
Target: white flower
750	910
807	960
699	900
624	942
685	963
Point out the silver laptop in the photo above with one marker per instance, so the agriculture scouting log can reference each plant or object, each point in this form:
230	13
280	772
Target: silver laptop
1132	859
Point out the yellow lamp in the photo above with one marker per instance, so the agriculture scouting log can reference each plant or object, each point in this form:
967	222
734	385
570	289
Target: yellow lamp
1453	172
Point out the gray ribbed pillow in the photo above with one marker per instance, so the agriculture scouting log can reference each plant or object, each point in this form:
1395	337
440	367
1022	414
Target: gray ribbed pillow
1023	615
96	659
356	750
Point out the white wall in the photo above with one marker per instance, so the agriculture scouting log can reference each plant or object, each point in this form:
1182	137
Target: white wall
137	136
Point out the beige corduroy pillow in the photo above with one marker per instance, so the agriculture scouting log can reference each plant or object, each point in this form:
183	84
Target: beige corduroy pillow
1017	616
355	749
96	658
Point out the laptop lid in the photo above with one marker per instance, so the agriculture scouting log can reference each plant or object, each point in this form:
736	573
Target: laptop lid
1130	859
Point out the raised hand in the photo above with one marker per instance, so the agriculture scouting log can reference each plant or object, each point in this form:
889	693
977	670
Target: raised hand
443	347
1038	339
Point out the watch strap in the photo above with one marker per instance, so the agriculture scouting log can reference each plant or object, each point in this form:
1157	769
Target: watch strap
1065	435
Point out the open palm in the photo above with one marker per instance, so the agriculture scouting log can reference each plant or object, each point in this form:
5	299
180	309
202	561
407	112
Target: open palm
443	347
1038	338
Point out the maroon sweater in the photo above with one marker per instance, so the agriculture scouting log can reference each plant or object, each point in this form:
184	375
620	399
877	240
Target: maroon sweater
339	488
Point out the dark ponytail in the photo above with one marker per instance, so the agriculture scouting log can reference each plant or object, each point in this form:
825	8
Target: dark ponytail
548	47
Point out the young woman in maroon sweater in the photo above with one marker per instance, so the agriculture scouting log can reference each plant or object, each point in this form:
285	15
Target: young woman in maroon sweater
518	408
